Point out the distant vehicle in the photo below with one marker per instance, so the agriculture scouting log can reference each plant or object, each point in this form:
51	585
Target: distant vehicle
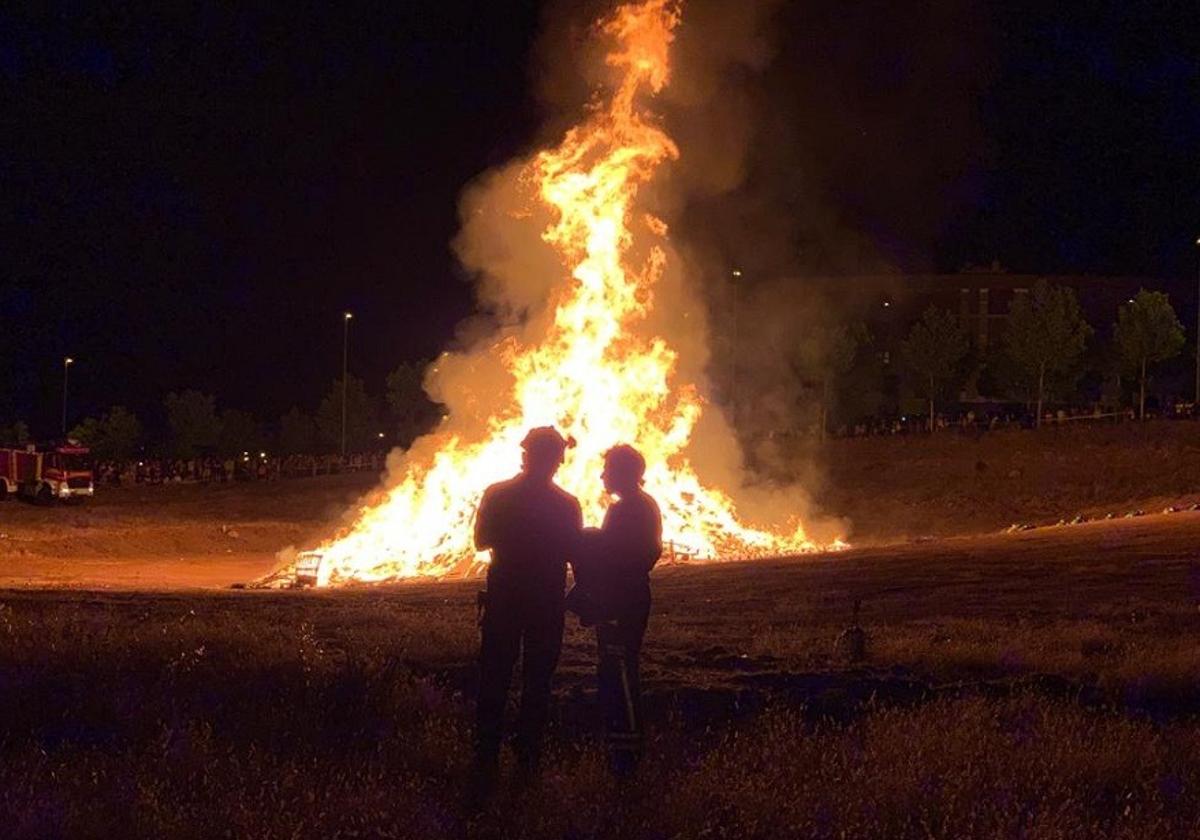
45	473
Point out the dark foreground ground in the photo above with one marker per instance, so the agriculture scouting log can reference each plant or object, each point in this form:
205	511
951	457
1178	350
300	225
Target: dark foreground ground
1040	685
1043	684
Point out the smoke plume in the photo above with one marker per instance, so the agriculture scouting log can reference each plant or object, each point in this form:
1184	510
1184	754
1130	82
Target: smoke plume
710	110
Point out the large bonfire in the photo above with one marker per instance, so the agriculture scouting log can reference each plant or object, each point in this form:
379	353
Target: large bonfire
594	373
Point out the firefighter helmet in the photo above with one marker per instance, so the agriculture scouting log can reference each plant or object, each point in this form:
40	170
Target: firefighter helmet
546	441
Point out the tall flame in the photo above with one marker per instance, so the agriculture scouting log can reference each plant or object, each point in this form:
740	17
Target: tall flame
593	374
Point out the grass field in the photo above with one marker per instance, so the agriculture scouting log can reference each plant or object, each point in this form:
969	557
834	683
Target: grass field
1040	685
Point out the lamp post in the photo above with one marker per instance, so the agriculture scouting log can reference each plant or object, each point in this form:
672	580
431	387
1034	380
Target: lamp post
1197	400
736	274
67	362
346	316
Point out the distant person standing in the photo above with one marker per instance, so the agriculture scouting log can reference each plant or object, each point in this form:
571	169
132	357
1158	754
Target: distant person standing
532	527
614	578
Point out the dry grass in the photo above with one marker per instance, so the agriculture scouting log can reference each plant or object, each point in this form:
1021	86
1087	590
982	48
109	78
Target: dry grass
1041	685
990	705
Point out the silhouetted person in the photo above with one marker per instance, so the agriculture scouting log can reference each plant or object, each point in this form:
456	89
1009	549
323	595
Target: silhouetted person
614	576
532	527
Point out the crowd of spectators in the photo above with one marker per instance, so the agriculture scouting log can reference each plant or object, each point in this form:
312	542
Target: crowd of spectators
246	467
263	467
986	420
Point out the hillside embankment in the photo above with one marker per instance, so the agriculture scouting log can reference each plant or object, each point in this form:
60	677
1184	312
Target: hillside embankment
884	490
952	483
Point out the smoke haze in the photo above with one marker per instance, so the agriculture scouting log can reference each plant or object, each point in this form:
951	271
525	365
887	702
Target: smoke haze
765	182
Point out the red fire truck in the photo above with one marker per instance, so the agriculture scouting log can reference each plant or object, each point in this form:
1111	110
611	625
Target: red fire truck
60	471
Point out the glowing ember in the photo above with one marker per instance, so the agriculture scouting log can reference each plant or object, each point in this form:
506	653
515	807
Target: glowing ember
595	373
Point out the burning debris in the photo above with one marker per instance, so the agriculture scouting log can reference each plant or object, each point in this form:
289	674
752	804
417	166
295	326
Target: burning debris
596	363
308	569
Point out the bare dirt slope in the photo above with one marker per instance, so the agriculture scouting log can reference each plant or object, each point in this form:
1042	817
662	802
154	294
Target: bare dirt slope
962	483
171	535
889	490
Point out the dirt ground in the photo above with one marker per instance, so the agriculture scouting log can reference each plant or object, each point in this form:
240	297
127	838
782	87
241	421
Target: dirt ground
1037	683
887	491
1087	603
170	536
962	483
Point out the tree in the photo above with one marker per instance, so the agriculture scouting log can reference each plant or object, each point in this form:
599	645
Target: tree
17	433
411	411
1045	338
934	352
192	417
115	436
297	433
362	423
1147	332
826	354
240	432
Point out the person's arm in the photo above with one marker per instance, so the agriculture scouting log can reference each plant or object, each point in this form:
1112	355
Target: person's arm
654	548
484	526
575	546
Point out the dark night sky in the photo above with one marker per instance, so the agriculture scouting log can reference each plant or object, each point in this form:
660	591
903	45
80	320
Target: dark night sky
190	195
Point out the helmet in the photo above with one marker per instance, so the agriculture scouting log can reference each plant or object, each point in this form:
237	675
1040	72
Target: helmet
546	441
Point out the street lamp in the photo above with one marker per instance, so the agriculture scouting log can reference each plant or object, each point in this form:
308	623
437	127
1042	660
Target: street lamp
1197	400
67	362
736	274
346	316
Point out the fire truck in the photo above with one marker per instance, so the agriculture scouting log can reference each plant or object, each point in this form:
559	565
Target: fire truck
46	473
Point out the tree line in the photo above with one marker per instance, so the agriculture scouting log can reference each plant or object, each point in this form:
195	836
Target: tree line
1045	348
1042	354
195	425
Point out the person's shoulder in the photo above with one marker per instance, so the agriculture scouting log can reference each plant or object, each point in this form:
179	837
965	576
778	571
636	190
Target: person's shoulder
501	488
647	501
565	498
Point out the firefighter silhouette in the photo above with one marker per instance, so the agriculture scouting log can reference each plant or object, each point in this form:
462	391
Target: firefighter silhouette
612	592
532	527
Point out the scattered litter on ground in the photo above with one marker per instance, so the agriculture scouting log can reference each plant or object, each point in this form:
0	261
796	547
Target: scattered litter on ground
1082	518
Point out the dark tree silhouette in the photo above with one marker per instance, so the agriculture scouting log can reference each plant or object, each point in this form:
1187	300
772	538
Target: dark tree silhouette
934	352
1044	338
1147	332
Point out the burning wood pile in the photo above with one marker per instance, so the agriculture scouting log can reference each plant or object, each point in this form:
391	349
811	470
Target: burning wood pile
599	359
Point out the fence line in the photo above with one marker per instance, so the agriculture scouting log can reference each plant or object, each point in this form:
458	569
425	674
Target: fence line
213	470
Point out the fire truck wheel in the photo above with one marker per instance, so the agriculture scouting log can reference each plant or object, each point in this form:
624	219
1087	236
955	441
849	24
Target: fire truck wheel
44	495
3	491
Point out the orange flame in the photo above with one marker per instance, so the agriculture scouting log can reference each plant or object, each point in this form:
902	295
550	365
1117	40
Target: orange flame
593	375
